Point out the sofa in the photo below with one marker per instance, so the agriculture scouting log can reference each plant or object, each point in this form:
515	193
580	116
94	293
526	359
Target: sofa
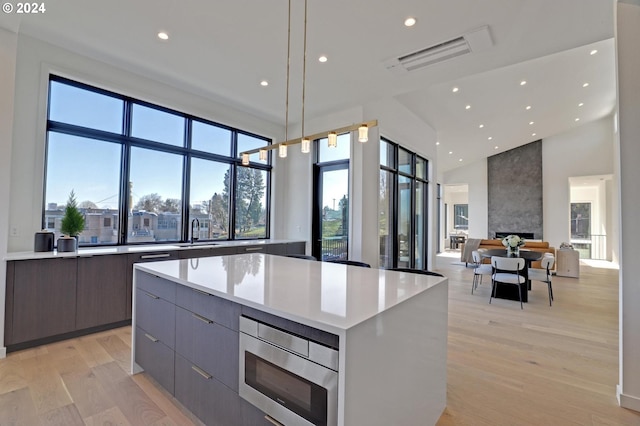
540	246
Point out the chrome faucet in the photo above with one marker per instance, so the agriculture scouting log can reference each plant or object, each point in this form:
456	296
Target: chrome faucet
195	223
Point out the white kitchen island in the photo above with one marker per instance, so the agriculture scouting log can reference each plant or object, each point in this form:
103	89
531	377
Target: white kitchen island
391	326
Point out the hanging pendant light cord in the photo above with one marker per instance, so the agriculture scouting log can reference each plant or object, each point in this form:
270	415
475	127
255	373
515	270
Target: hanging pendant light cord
286	114
304	64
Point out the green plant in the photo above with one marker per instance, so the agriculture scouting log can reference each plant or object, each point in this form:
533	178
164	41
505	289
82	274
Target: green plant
73	221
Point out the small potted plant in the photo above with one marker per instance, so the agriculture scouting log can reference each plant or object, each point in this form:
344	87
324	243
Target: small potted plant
72	225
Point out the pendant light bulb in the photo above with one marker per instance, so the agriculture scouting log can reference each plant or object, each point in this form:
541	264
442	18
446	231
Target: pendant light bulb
305	146
282	151
363	133
332	140
245	159
263	154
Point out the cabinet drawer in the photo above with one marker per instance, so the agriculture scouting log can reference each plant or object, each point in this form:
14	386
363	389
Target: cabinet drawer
252	249
156	286
208	345
156	316
219	310
211	401
156	358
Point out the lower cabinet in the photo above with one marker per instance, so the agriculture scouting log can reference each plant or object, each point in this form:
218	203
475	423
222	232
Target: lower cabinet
206	397
188	341
44	299
156	358
102	291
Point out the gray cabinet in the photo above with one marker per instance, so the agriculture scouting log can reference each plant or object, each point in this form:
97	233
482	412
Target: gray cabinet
155	328
208	251
201	368
156	358
262	248
299	247
207	398
43	296
139	258
101	291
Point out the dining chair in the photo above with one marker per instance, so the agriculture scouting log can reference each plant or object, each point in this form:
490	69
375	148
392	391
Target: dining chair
349	262
416	271
544	274
507	271
479	269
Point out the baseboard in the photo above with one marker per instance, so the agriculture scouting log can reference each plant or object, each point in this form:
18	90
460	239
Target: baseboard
3	352
627	401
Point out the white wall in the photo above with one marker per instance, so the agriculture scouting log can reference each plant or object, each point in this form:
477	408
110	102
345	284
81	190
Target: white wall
475	177
628	65
586	150
35	60
8	47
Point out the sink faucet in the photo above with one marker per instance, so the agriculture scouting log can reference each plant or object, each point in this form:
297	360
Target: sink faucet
195	227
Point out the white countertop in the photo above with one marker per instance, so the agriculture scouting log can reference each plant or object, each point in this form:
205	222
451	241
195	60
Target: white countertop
95	251
329	296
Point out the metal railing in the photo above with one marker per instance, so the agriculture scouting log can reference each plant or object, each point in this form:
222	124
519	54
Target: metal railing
334	248
591	246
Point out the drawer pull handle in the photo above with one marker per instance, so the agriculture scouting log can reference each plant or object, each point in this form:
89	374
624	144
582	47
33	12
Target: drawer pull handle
201	292
150	337
151	295
272	420
201	318
253	248
155	256
201	372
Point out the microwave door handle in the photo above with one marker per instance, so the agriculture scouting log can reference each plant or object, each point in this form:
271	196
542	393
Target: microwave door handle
272	420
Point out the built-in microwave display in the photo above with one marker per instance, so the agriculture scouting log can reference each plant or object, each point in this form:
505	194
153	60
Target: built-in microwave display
299	395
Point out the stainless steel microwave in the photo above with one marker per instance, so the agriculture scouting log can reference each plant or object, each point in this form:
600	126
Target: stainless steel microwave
292	379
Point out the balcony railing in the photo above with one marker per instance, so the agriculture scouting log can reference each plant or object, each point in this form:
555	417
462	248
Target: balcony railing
334	248
591	246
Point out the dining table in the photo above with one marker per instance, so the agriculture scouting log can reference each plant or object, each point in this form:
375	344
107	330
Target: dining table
510	292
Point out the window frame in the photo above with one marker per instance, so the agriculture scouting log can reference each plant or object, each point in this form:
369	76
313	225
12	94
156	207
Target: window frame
395	170
127	142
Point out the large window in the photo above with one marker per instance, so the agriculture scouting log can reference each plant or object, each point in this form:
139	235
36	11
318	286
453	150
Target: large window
144	173
402	207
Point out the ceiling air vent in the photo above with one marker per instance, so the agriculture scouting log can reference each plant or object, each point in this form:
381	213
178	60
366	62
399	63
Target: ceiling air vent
473	41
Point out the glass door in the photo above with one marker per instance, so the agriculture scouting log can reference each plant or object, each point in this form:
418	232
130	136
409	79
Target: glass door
331	211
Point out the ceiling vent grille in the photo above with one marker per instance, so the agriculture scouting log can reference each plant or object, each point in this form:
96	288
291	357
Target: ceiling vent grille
473	41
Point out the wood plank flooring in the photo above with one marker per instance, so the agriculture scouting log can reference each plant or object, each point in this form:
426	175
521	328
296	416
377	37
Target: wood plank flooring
537	366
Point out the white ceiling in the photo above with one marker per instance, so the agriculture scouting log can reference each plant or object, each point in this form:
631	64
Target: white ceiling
223	49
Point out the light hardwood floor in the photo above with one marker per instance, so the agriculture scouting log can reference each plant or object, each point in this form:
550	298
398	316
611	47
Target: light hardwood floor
538	366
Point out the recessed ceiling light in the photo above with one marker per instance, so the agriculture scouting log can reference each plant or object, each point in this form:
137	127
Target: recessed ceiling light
481	126
585	85
264	83
530	123
490	138
163	36
495	147
450	152
533	134
322	58
577	119
459	159
467	107
455	90
528	107
580	104
438	143
410	22
593	52
523	82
